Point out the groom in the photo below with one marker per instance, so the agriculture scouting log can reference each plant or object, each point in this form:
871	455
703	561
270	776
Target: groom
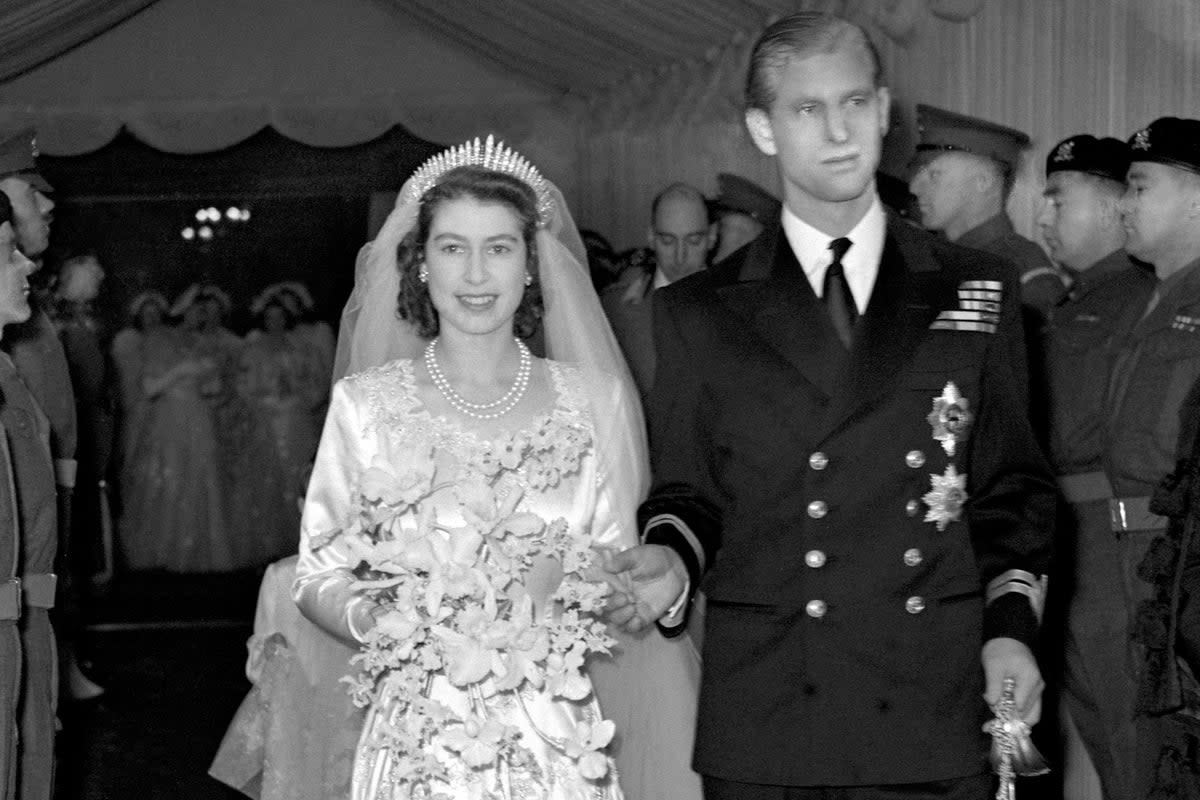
843	462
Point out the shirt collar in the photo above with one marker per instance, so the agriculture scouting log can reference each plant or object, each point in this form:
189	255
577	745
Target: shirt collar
811	245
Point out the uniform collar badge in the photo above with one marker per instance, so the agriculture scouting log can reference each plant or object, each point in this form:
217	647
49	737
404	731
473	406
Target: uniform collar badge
950	418
1141	139
1065	152
946	497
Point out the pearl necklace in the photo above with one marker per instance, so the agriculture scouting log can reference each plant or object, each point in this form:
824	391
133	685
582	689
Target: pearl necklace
492	410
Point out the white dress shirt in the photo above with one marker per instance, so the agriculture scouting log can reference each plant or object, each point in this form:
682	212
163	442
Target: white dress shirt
861	262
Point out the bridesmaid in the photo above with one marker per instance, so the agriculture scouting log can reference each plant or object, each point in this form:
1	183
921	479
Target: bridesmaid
174	517
147	318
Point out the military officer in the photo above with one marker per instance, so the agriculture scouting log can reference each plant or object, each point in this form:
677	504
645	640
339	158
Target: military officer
10	554
964	171
1156	361
39	403
844	463
742	209
1080	219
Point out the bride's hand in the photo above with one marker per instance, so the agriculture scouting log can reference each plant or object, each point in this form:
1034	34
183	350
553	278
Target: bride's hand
654	576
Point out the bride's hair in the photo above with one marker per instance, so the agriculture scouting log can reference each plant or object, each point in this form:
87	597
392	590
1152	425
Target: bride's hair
486	186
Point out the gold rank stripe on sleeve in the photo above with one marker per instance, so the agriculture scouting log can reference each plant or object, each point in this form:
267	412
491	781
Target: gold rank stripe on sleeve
978	308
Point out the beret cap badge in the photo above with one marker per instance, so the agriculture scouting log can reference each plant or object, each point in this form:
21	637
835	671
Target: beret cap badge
1065	151
1141	140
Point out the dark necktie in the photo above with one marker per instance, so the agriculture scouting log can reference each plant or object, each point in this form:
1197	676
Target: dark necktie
839	302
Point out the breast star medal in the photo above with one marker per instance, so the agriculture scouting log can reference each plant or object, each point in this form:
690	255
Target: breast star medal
945	500
950	418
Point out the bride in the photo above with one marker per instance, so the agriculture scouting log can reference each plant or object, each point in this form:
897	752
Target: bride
463	498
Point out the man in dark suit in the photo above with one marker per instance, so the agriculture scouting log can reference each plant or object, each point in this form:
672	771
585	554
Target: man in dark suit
843	462
682	236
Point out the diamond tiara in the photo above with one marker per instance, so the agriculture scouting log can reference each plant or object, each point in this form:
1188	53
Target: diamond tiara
488	154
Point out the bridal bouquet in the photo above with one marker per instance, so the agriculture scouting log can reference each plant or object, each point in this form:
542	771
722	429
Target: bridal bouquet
499	603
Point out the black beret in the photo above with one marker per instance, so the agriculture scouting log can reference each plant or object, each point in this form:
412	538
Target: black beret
1168	140
1107	157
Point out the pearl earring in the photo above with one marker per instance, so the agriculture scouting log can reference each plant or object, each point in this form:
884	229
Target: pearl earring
423	274
528	279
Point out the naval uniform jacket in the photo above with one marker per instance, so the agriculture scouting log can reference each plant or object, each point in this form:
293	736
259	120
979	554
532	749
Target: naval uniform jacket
843	633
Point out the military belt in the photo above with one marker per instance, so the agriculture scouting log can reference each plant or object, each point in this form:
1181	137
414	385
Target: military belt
10	599
1133	514
34	591
39	589
1084	487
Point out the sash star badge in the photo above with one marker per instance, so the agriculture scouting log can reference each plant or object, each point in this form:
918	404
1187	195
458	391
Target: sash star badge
950	418
946	498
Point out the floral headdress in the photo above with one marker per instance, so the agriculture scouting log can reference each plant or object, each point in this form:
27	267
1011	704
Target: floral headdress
202	291
148	297
292	294
489	154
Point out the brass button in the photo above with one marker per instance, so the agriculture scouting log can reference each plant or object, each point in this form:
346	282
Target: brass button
818	461
913	557
914	604
815	559
817	509
816	608
912	507
915	459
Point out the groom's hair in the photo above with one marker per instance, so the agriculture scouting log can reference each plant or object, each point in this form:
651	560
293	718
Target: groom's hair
807	33
485	186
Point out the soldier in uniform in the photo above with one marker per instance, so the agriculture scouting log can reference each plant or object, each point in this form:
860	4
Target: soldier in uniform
27	440
964	171
35	360
743	209
1156	361
844	463
1081	222
10	547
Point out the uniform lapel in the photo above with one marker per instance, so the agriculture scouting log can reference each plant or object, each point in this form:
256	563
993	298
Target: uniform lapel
904	302
773	294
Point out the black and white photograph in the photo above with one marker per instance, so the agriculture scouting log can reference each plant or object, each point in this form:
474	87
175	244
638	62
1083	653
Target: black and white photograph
600	400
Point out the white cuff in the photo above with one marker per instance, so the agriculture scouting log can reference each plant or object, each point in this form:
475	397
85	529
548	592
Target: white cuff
674	615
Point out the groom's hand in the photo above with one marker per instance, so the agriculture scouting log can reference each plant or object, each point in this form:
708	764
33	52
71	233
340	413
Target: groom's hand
1008	658
654	577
